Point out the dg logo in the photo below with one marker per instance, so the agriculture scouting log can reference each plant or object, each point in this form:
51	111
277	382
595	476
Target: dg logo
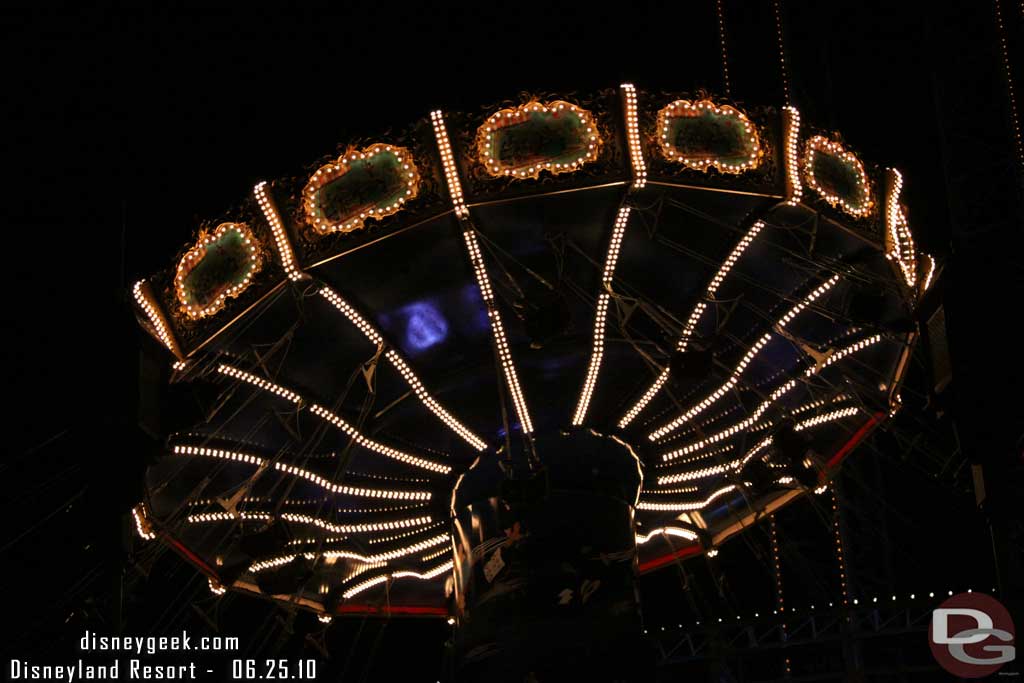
972	635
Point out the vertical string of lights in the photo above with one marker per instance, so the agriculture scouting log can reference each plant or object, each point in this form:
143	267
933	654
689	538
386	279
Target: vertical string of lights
501	344
900	242
790	118
636	152
777	7
780	603
844	583
284	247
601	316
791	155
1004	51
639	169
722	43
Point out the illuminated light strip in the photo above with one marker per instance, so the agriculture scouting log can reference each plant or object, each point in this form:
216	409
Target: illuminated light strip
431	404
763	444
322	482
302	541
313	521
142	524
680	489
1004	52
826	417
843	353
901	241
751	353
906	257
479	269
263	565
360	569
810	299
369	583
782	49
392	554
705	472
695	458
352	314
695	505
718	393
327	415
777	566
434	555
691	322
739	426
395	358
405	534
215	587
666	531
636	153
839	548
601	316
377	447
140	291
892	205
355	528
281	241
780	603
775	396
820	403
498	330
931	272
612	259
451	172
316	501
226	516
311	501
722	41
260	383
794	185
596	356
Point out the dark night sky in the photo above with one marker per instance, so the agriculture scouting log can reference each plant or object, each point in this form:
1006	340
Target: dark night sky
141	124
124	129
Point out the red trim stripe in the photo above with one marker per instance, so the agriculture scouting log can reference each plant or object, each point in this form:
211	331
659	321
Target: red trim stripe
680	554
855	440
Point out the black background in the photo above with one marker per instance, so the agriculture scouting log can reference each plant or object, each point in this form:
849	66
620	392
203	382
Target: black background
123	128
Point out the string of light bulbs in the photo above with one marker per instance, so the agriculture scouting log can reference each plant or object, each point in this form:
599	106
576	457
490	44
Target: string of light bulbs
601	315
691	323
747	358
333	419
322	482
399	363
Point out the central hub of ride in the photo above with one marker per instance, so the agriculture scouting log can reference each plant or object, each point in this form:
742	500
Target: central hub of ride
544	576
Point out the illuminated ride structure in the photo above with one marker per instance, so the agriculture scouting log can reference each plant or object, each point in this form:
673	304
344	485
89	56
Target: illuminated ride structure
493	367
